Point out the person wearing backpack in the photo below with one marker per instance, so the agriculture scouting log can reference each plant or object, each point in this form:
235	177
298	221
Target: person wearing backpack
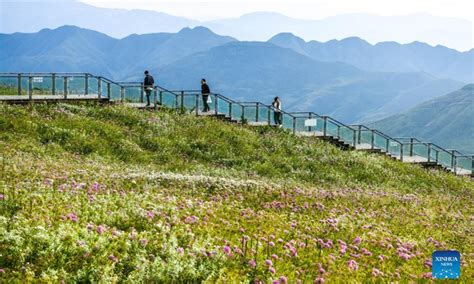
205	91
148	83
277	115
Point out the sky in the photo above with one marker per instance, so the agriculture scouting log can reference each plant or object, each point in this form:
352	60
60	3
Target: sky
303	9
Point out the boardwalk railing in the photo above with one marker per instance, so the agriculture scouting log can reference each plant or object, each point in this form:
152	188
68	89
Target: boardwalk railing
63	86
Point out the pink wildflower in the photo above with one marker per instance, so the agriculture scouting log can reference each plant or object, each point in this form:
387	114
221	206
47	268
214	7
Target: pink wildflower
319	280
252	263
150	214
144	242
274	256
100	229
268	262
272	270
376	272
352	265
357	240
283	279
113	258
180	250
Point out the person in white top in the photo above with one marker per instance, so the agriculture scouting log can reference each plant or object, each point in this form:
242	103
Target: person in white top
277	115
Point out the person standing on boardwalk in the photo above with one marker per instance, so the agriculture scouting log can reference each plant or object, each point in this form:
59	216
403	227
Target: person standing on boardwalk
277	111
148	83
205	91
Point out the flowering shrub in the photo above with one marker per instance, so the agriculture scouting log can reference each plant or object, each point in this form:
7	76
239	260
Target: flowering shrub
72	215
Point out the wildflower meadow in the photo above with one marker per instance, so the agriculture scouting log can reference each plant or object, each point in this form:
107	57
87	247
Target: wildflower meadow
111	194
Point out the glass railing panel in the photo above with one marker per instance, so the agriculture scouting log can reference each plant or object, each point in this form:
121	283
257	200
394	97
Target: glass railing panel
394	148
236	111
9	86
445	159
464	165
300	124
264	114
188	101
59	90
103	88
406	150
115	92
380	142
211	101
42	85
287	121
331	128
24	85
134	94
421	150
365	138
346	134
93	88
250	113
76	85
223	106
167	99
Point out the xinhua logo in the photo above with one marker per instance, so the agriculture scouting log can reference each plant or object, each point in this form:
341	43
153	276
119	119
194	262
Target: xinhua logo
446	264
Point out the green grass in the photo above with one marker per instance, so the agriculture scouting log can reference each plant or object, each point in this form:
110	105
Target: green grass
112	166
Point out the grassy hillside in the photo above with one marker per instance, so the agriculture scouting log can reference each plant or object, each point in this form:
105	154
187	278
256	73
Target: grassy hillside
447	121
113	194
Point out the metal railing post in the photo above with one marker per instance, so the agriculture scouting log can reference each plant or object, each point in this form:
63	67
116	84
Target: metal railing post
230	110
309	127
30	87
411	147
86	84
176	102
429	152
216	105
354	138
453	160
401	152
99	87
154	99
65	85
19	84
269	116
122	94
294	125
53	84
197	104
256	112
108	90
182	99
387	145
359	135
472	166
142	92
325	125
372	139
437	156
161	97
243	114
338	131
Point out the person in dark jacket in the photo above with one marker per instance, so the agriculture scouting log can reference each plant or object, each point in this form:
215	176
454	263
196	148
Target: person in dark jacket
277	111
148	83
205	91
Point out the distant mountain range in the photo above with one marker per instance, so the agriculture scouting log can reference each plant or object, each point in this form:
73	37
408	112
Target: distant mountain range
243	70
446	120
32	16
439	61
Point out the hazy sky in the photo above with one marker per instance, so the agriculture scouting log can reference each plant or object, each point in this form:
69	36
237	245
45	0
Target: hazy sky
307	9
